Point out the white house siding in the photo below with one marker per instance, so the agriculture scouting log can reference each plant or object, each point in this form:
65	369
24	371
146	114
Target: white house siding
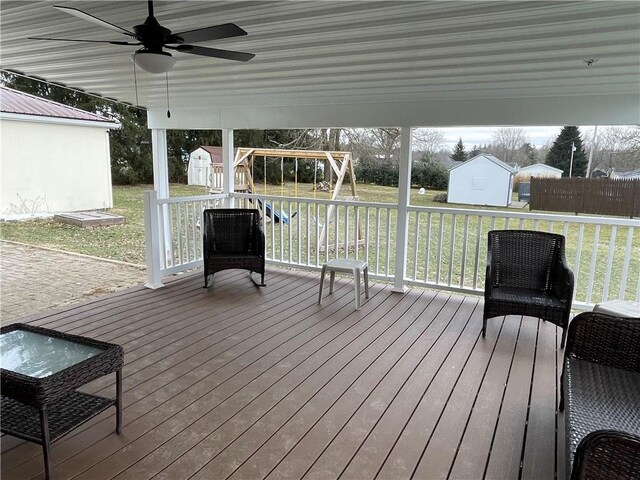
48	168
199	170
480	182
538	170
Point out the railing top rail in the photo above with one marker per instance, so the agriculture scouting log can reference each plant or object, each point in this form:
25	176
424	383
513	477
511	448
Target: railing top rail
316	200
621	222
193	198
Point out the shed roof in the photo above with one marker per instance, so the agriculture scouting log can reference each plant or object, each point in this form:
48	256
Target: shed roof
540	165
491	158
16	102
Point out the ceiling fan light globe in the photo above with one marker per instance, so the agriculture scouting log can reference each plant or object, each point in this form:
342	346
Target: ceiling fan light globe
154	62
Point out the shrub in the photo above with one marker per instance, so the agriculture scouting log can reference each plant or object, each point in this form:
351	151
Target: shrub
440	198
376	171
430	175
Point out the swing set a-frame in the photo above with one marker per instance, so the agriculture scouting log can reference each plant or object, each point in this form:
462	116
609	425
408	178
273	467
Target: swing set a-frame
340	163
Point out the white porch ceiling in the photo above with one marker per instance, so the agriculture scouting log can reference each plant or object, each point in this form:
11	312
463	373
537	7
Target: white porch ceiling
356	62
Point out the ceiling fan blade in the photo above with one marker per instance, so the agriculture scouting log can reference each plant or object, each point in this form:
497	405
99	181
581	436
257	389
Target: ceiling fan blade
214	52
112	42
90	18
217	32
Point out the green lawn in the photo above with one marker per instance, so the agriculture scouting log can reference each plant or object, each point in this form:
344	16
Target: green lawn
118	242
126	242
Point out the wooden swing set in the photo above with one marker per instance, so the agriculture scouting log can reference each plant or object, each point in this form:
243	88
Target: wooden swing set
340	163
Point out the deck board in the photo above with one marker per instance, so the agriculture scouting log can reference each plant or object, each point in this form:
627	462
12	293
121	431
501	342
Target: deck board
240	382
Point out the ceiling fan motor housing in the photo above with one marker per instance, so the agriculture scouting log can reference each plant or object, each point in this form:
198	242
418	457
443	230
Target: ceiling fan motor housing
154	36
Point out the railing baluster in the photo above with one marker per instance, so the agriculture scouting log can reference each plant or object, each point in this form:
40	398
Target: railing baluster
576	268
377	240
416	242
607	276
179	232
366	234
356	232
298	228
326	232
273	229
440	233
452	244
388	255
318	234
427	248
281	225
346	231
289	228
477	262
464	250
592	270
625	264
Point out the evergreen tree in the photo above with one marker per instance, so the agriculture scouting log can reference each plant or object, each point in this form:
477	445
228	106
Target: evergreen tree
559	155
459	155
475	151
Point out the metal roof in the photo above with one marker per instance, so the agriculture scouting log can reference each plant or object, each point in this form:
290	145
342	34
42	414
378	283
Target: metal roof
491	158
539	165
16	102
328	55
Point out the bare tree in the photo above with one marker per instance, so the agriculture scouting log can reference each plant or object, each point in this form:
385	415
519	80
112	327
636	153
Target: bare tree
616	148
508	142
378	142
428	140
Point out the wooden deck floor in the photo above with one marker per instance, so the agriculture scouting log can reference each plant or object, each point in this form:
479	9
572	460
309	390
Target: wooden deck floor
239	382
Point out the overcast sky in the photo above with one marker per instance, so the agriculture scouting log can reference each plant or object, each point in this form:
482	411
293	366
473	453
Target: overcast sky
471	136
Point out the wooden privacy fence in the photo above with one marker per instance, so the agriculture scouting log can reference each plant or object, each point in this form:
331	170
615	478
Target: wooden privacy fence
600	196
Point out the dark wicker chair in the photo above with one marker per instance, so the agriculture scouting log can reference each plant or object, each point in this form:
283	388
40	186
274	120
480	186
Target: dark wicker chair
527	275
233	238
601	393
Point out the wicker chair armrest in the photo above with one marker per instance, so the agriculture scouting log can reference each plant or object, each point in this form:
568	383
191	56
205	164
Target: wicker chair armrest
487	281
607	454
605	339
260	241
563	280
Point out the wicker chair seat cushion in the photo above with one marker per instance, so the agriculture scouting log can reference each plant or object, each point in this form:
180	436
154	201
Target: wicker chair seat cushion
526	295
600	397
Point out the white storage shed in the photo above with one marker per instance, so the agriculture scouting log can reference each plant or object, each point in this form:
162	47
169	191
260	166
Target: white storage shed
538	170
200	160
53	158
481	180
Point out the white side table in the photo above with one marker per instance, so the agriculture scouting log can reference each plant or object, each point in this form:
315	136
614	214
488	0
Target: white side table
619	308
342	265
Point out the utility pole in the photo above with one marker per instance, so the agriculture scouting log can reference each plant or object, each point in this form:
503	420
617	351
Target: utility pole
573	149
593	147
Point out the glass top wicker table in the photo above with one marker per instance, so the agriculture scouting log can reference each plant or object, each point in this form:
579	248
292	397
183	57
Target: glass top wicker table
41	370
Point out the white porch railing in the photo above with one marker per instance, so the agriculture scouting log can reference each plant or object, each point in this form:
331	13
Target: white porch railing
446	248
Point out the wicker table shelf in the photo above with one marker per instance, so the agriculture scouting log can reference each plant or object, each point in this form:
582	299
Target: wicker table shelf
41	372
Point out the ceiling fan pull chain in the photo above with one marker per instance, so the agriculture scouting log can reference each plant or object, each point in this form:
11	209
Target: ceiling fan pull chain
167	79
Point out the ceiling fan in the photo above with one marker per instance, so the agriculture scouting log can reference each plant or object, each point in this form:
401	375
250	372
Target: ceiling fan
154	38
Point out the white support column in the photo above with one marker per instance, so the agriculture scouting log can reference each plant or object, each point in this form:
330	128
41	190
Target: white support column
160	162
404	188
228	171
152	240
161	186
